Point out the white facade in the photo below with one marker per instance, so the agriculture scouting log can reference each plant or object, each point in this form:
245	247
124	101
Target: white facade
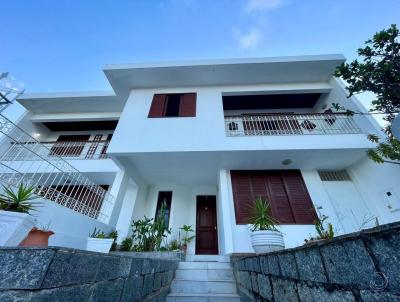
193	156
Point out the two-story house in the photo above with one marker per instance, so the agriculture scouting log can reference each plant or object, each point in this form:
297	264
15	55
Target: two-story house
208	138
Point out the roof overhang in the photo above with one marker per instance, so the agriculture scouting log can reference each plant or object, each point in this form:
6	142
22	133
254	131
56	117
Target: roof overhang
294	69
65	102
315	69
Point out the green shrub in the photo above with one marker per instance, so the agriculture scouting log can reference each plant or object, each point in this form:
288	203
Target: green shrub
126	244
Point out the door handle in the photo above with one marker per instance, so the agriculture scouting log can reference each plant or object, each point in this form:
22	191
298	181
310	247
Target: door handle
215	227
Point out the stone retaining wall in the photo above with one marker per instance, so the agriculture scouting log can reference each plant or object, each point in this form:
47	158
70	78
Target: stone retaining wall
60	274
178	255
362	266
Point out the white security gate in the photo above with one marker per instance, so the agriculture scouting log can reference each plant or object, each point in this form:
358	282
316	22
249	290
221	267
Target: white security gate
350	207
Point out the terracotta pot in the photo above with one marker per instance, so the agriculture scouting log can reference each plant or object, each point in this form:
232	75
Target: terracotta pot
37	237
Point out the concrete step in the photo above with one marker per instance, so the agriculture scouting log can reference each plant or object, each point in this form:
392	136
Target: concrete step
203	287
182	297
205	274
207	258
204	265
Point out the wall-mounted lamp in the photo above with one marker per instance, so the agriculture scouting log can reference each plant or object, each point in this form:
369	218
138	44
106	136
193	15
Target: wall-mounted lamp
287	162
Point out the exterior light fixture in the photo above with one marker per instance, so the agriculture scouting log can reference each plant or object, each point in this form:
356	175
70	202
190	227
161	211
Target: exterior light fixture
286	162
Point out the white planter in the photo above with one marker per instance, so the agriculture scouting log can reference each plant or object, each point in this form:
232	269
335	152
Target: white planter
267	241
14	227
99	245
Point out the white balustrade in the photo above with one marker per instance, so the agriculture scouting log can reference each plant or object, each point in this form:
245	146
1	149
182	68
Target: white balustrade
290	124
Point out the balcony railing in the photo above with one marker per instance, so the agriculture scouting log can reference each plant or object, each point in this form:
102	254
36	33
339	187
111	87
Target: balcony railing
67	150
25	160
290	124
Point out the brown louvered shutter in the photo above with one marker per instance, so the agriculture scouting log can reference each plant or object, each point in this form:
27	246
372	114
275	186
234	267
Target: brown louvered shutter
242	195
279	200
284	190
157	105
188	105
300	201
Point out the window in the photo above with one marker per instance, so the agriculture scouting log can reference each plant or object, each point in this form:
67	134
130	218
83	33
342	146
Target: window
283	189
173	105
164	197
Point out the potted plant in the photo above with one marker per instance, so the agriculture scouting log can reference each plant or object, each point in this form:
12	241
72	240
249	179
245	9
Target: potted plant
99	241
38	236
186	238
265	237
15	220
324	230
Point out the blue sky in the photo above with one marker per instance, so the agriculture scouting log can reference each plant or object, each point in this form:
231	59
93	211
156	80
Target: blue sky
62	45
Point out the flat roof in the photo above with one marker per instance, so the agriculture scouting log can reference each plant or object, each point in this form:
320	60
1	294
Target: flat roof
222	72
225	72
65	102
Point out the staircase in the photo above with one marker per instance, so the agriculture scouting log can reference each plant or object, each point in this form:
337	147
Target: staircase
204	278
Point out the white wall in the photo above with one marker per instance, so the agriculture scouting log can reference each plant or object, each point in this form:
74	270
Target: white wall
71	228
127	207
374	182
206	131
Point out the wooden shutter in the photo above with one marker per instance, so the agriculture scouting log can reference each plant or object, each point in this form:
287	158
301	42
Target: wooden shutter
284	190
242	195
69	145
188	105
279	200
300	201
157	105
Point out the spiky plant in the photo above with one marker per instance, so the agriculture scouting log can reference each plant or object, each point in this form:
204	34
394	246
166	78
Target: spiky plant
19	200
260	216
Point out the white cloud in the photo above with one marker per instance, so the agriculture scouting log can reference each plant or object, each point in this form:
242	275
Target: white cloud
248	39
254	6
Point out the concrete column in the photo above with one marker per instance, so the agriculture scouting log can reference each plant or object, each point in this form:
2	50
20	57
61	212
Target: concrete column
125	215
224	204
118	189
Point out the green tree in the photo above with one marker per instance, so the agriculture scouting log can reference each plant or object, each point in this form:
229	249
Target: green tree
378	71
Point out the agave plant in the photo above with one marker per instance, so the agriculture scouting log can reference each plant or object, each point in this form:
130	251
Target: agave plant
260	216
19	200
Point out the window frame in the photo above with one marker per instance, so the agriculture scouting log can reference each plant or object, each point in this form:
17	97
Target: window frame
187	105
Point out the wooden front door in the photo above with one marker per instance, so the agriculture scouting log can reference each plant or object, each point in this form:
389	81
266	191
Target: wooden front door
206	225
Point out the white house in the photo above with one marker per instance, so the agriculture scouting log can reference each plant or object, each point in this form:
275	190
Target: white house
207	137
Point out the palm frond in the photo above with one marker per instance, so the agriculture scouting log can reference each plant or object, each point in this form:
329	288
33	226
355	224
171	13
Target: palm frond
19	200
260	216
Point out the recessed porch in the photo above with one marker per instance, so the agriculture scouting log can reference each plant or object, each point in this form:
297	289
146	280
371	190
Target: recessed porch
191	174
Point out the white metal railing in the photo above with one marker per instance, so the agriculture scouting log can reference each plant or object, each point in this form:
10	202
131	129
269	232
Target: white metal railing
52	176
67	150
290	124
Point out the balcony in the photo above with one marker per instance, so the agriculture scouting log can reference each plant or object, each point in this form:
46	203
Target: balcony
44	167
65	149
290	124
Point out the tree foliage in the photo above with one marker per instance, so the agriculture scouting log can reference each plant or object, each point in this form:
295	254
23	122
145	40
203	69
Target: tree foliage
378	71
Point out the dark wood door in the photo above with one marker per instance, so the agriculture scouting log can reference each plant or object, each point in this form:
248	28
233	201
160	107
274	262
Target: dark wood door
206	225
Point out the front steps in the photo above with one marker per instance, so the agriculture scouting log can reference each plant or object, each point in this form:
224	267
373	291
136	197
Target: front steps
204	278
